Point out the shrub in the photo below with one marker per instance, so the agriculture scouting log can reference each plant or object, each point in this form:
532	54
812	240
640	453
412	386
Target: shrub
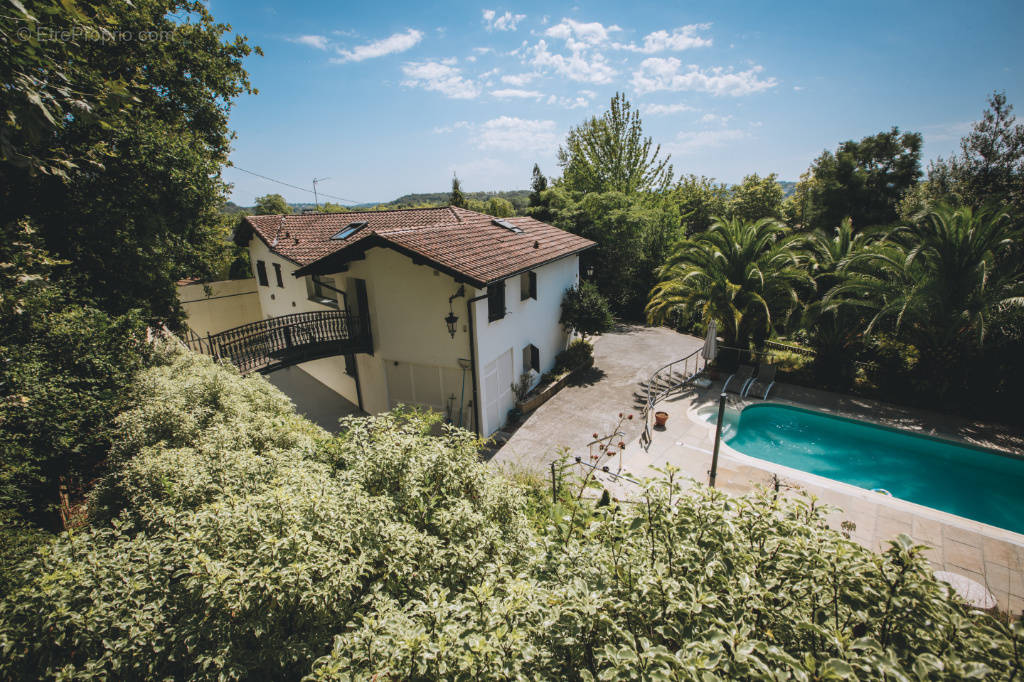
585	310
578	354
234	539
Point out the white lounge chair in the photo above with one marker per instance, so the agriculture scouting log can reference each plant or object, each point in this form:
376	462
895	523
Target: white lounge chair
765	379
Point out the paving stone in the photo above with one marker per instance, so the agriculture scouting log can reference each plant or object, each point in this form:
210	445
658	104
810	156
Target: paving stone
997	577
963	556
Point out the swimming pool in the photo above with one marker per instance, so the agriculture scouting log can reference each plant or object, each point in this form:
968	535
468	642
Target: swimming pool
976	483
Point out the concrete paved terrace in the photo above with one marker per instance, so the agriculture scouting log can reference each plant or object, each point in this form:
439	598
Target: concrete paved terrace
623	360
990	556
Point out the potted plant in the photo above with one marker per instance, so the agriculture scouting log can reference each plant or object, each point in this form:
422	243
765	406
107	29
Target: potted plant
659	419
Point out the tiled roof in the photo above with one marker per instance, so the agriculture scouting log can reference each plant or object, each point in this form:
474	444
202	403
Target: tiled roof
466	244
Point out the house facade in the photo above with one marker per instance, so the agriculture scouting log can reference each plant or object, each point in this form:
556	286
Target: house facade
455	304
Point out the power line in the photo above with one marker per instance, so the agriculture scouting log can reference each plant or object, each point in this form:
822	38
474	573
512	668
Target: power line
288	184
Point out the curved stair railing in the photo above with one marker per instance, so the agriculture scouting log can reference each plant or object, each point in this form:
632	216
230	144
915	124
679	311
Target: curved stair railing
666	380
278	342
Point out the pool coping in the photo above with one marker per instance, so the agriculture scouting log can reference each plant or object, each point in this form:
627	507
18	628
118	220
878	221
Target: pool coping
856	491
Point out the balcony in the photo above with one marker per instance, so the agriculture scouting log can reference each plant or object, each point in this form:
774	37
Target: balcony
287	340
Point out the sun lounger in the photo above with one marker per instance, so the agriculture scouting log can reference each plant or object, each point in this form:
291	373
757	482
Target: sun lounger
739	379
764	380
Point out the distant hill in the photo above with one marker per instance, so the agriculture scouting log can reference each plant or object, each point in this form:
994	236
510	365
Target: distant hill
788	187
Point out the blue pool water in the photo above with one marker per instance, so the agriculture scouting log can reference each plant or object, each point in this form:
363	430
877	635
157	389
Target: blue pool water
972	482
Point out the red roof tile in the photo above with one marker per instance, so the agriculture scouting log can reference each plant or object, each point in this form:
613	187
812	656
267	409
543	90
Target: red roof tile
466	244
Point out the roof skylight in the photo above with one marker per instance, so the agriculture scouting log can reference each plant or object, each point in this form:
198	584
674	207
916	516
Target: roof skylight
507	225
350	230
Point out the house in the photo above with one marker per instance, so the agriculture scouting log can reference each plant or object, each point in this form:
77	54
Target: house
446	307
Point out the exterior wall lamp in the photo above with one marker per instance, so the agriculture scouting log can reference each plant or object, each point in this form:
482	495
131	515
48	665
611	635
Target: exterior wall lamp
451	320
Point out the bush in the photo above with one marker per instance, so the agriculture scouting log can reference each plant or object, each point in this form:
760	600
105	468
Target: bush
234	539
578	354
585	310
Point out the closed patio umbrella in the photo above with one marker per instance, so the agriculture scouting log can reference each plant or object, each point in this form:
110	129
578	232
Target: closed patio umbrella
710	349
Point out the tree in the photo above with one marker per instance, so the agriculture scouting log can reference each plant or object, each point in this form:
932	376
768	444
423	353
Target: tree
990	166
746	276
585	311
633	235
863	181
538	183
756	198
500	208
835	333
698	199
272	204
610	154
457	198
136	204
938	283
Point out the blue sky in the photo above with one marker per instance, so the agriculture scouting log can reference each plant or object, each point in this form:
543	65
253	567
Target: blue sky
387	98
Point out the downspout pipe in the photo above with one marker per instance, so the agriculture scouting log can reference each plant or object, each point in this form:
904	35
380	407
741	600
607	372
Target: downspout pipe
472	362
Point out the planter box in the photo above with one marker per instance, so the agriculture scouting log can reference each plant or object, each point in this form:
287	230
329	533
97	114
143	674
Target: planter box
535	401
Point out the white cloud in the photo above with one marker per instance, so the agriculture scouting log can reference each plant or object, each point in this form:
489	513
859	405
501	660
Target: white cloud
319	42
569	102
716	118
441	77
666	109
504	22
692	142
682	38
508	133
657	73
516	93
518	79
577	66
452	128
797	88
575	32
399	42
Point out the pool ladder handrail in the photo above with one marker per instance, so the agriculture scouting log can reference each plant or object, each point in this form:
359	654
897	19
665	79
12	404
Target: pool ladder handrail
664	382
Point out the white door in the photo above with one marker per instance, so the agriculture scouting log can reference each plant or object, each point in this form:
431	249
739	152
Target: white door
431	386
497	398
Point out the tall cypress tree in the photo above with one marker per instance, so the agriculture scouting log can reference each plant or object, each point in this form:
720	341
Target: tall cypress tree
538	184
457	198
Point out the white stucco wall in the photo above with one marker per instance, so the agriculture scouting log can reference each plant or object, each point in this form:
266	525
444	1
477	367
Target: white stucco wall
212	307
525	322
408	304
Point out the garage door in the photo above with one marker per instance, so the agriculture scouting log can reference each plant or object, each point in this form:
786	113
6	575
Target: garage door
497	398
431	386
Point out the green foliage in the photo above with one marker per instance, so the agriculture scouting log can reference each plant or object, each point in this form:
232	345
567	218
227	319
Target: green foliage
456	197
744	275
580	353
864	181
756	198
633	235
585	311
243	542
699	200
135	206
271	204
538	183
500	208
64	364
990	165
610	154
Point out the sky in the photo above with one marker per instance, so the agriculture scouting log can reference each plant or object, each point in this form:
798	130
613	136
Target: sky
387	98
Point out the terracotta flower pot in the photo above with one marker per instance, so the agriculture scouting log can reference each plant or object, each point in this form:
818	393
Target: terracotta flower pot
659	419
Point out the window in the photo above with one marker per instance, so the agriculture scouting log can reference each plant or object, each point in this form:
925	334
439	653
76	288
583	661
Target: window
261	273
277	274
350	230
322	290
496	301
528	286
507	225
531	358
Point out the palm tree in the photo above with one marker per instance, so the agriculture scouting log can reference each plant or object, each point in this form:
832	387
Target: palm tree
938	283
834	332
744	275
